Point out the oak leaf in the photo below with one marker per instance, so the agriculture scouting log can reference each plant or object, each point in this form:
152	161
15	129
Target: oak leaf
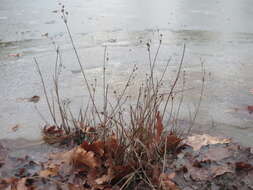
81	156
197	141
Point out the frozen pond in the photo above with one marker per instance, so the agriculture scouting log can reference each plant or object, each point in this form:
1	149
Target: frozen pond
218	32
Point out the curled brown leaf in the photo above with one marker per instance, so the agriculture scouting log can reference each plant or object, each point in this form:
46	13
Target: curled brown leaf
81	156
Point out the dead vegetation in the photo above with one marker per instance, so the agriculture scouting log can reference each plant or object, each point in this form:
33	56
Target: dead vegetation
121	146
105	165
124	146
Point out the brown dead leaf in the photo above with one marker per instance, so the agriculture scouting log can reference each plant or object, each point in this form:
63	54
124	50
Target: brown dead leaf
167	183
62	157
15	128
52	130
81	156
96	147
50	171
250	109
220	170
34	99
15	55
197	141
243	166
172	142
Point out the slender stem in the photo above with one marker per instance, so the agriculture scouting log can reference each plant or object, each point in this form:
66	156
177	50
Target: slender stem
45	91
82	70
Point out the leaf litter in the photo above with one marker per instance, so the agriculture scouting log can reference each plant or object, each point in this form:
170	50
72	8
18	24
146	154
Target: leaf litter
98	165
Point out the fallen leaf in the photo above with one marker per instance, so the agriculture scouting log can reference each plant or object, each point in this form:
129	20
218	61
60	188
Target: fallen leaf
96	147
50	171
45	35
250	109
52	130
34	99
220	170
242	166
172	142
15	55
167	183
81	156
62	157
197	141
15	128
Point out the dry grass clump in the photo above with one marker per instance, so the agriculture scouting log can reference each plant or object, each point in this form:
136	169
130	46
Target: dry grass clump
123	145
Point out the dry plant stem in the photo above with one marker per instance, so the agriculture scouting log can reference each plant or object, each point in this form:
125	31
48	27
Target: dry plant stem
53	104
63	114
175	82
127	182
45	91
60	106
200	98
154	62
119	103
82	69
41	116
93	108
164	155
56	63
149	57
148	181
164	72
104	86
73	120
175	128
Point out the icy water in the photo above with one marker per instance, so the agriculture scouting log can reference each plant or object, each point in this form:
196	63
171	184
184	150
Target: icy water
219	32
